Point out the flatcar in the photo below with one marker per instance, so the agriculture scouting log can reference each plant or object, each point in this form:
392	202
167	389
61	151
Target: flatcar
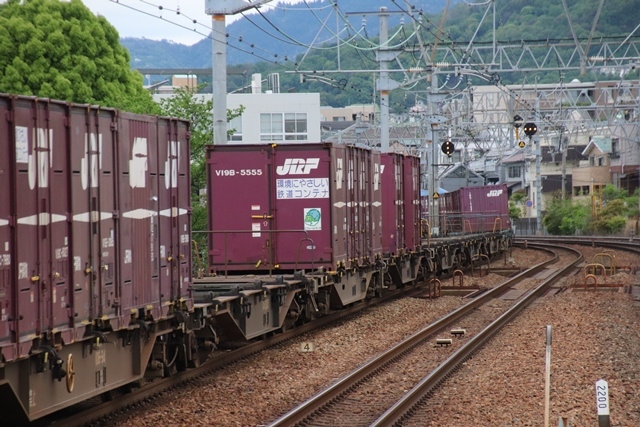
299	229
97	291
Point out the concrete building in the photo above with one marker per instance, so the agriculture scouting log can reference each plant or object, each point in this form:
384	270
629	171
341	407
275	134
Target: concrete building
270	116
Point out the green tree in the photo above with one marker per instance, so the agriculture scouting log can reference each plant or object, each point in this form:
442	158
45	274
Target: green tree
612	218
189	105
564	217
515	205
61	50
610	192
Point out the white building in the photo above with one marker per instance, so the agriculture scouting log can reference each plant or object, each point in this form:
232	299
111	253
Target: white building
270	116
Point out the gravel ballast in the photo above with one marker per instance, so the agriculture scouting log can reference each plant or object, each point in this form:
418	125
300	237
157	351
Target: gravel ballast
595	336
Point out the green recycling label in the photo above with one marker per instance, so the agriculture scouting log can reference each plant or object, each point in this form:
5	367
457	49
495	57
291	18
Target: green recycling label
312	219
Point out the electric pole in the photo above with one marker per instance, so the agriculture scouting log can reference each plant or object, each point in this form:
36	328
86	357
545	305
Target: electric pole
219	9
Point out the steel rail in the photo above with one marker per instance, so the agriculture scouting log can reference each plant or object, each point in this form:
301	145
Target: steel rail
334	391
401	409
149	390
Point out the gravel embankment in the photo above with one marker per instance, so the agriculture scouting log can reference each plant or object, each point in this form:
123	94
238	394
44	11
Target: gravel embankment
595	336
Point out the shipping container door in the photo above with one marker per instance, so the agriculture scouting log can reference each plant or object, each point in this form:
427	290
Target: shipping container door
360	204
239	181
6	243
172	213
101	155
302	180
84	177
375	199
339	199
411	182
352	189
124	234
167	205
33	144
392	191
184	210
58	275
139	248
373	243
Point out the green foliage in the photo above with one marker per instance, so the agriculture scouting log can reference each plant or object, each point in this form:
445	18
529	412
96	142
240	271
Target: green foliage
516	204
611	219
564	217
515	210
61	50
633	204
610	192
188	105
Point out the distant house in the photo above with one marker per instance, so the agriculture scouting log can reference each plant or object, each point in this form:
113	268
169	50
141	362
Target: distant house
458	176
594	172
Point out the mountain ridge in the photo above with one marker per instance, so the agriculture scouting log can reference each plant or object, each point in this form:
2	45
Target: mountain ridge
287	31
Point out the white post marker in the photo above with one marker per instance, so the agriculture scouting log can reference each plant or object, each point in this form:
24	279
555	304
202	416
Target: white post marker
547	384
602	403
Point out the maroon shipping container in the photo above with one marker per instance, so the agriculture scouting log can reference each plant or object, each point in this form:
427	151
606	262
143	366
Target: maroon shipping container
292	206
475	209
94	219
400	202
411	184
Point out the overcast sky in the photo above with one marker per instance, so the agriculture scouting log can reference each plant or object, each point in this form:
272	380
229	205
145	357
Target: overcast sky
133	23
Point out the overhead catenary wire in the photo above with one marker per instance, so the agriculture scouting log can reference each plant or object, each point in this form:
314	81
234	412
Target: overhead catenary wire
207	36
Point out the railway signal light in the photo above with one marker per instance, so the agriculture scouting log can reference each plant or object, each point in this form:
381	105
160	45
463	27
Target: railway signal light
530	129
448	148
517	121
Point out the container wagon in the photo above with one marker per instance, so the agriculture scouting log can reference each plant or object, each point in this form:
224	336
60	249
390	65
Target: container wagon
480	209
95	256
96	286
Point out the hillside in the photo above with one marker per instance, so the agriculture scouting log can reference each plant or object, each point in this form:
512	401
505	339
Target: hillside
275	31
516	20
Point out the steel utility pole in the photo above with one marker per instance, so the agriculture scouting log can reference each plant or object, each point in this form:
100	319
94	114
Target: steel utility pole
434	120
385	84
219	9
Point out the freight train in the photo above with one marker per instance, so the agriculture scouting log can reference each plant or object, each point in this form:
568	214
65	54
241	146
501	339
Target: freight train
97	290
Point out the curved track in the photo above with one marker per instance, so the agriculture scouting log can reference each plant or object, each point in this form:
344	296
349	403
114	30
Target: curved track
328	405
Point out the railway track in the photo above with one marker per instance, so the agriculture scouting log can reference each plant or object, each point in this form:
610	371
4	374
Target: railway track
101	412
335	405
137	401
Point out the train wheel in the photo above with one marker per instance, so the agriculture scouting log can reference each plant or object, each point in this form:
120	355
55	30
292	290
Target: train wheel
70	374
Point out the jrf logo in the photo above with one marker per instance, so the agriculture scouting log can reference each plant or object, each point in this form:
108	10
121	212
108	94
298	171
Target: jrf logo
40	158
138	164
92	160
298	166
339	173
171	165
494	193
